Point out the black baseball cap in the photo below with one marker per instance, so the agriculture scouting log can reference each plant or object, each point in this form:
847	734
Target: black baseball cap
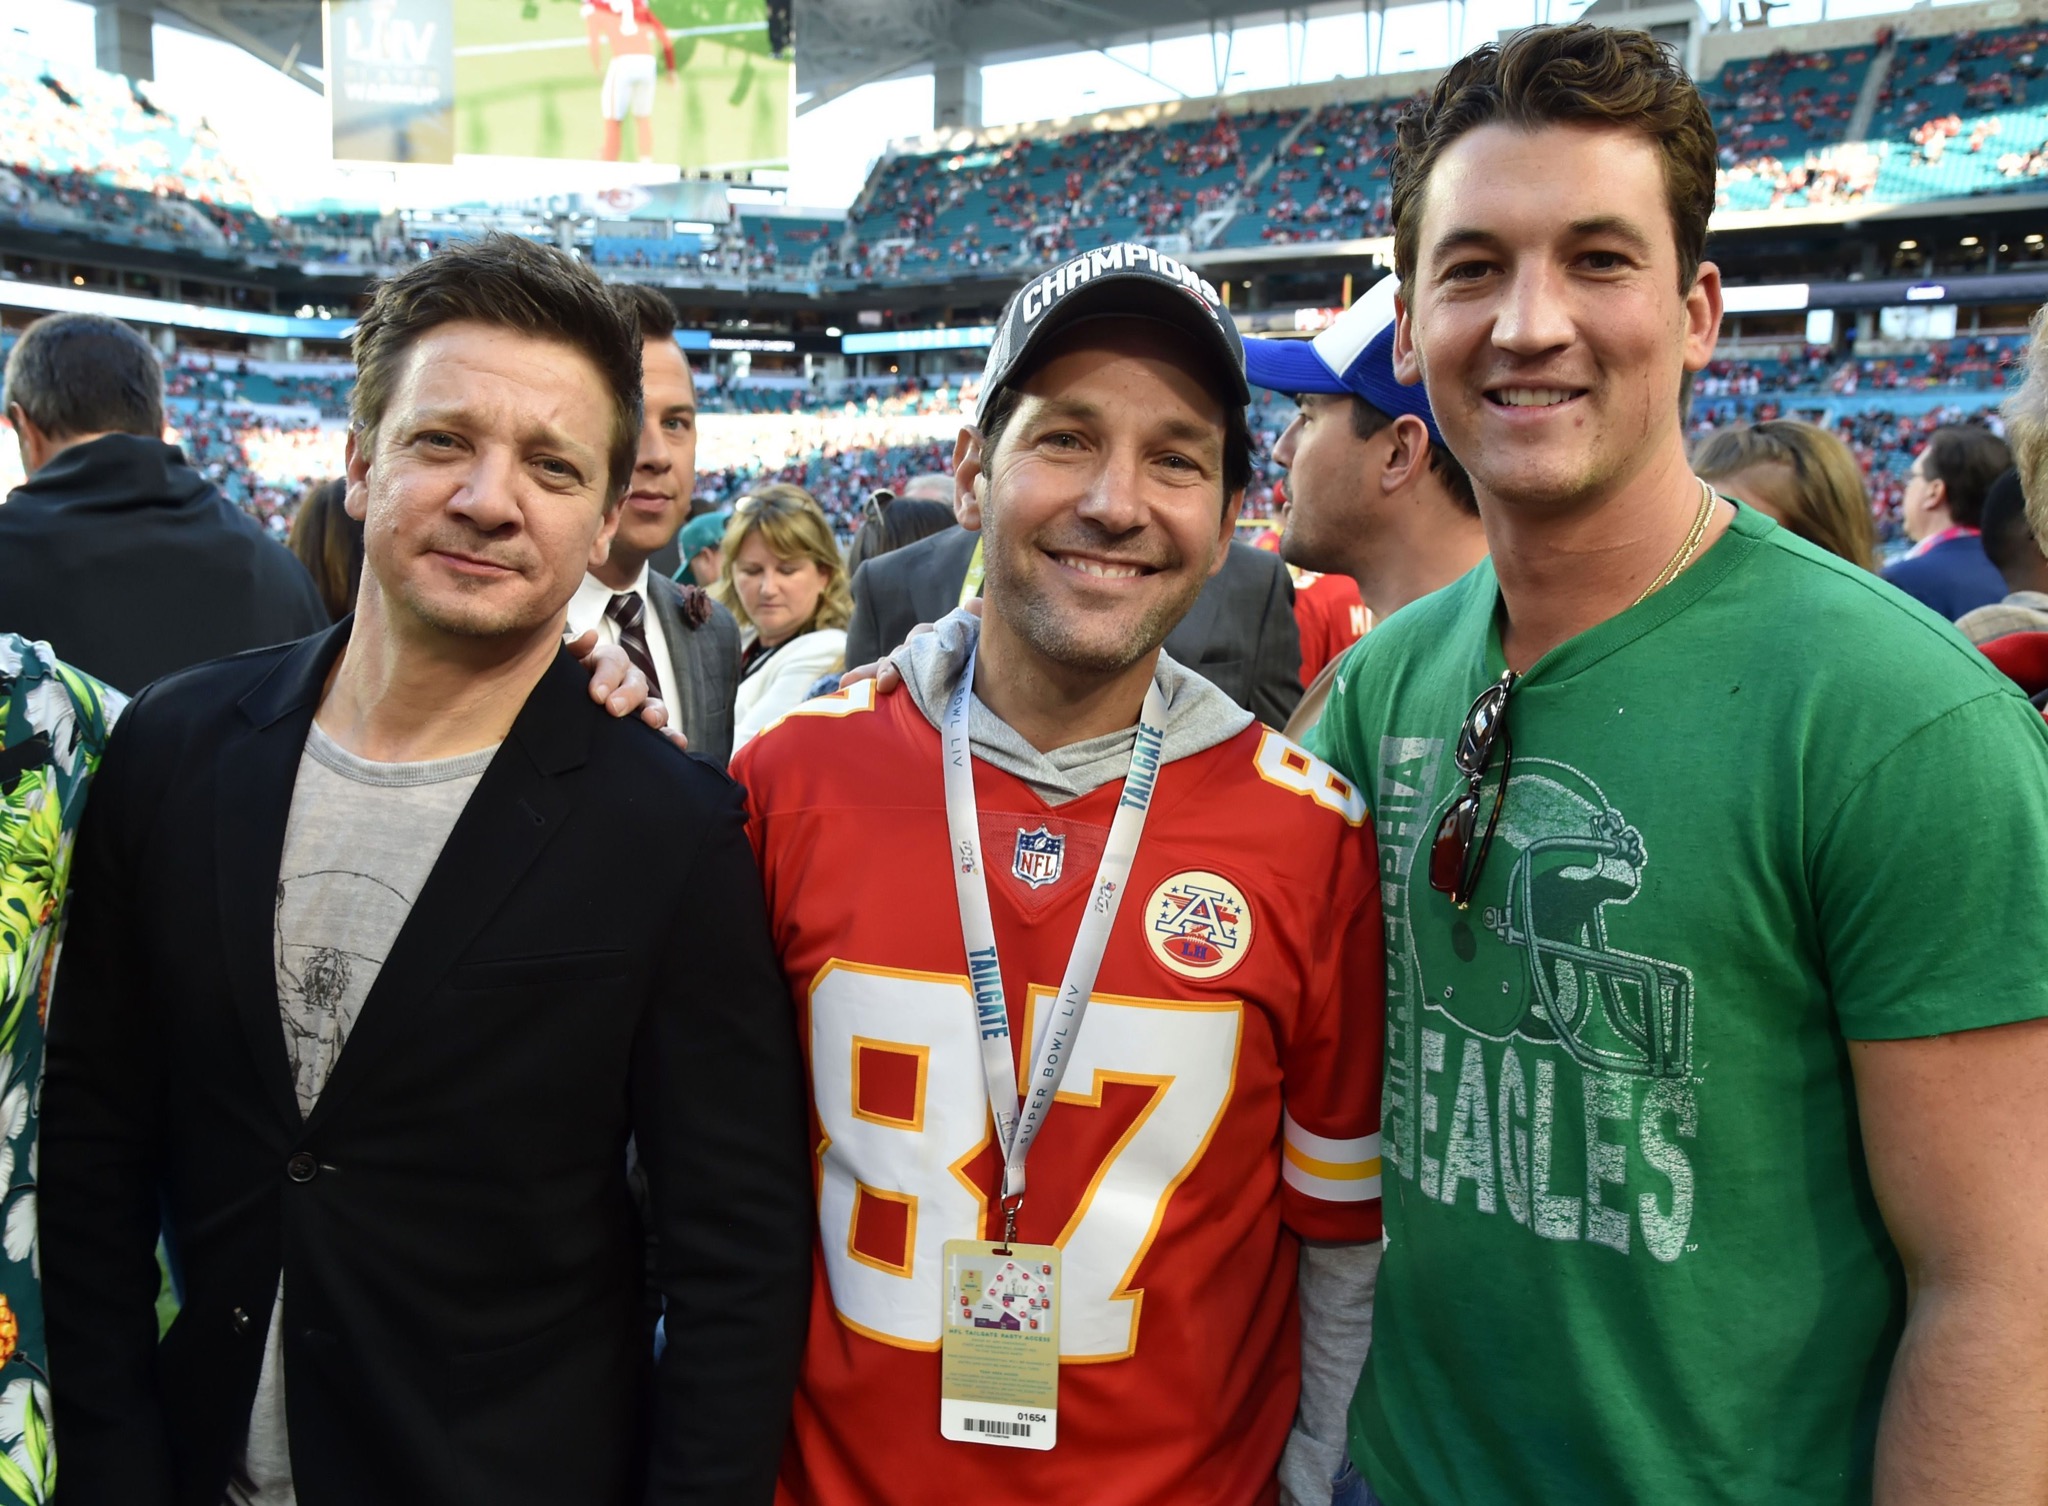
1123	281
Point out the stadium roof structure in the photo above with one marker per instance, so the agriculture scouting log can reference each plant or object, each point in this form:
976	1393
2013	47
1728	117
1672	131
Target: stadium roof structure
843	44
289	35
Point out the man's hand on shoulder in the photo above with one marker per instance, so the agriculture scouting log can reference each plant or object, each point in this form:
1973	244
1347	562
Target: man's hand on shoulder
620	688
885	674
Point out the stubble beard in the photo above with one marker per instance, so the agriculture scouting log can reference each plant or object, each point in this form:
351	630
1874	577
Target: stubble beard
1030	613
470	615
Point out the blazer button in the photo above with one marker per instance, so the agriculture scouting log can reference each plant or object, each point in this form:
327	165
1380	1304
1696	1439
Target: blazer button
302	1167
242	1323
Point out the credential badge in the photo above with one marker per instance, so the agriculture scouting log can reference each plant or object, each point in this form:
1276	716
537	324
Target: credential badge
1040	857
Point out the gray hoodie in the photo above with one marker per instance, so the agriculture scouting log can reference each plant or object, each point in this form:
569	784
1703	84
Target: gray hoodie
1198	717
1336	1281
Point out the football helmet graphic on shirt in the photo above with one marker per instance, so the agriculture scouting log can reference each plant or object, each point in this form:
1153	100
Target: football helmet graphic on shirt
1563	859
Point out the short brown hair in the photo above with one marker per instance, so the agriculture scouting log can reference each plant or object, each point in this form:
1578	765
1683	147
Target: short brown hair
1560	75
1826	503
643	306
515	284
1966	459
1366	421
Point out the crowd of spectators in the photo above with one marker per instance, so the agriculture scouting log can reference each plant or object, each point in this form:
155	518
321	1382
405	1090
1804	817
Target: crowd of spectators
1990	71
261	462
1837	175
221	380
841	444
1882	440
92	150
841	475
1786	101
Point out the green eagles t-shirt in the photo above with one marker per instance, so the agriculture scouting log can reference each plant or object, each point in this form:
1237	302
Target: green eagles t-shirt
1632	1251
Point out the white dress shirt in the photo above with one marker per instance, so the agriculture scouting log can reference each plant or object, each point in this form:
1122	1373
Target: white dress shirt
586	611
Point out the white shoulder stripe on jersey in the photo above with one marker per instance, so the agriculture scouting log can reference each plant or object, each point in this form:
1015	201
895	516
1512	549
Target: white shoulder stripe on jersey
1336	1171
1342	1152
1323	1189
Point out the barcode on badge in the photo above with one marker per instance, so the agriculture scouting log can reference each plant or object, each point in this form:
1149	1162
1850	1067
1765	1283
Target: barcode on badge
1010	1427
996	1429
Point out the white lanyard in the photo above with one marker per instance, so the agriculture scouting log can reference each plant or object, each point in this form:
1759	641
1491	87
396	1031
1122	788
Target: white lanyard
1061	1025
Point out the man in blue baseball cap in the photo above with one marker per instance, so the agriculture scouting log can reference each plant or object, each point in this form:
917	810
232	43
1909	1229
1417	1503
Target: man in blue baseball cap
1372	492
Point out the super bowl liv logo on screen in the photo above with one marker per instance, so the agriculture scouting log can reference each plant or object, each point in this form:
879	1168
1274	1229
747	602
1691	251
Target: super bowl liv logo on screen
392	91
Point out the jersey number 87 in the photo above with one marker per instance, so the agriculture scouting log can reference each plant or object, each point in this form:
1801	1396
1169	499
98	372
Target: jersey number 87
1184	1053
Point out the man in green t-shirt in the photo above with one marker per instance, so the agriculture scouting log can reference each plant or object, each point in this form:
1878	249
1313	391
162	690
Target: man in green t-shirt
1716	1160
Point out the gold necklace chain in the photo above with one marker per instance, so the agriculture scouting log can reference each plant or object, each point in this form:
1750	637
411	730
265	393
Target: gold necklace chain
1678	562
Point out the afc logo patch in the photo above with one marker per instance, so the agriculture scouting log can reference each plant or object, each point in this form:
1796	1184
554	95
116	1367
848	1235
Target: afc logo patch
1040	858
1198	924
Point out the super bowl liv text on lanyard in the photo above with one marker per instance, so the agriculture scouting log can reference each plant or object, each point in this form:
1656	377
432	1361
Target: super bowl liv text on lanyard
999	1378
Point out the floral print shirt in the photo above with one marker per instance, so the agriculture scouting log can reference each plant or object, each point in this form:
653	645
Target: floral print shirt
53	728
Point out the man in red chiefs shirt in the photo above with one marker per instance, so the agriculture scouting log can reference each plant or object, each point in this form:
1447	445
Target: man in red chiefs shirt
1059	908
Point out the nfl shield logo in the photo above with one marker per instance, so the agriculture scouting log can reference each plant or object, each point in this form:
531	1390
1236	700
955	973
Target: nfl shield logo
1039	857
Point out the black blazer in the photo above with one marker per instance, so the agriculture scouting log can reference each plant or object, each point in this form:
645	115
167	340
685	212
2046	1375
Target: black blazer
131	564
706	658
462	1261
1239	634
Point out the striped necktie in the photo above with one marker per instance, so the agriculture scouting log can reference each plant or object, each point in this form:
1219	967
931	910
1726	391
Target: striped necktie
629	611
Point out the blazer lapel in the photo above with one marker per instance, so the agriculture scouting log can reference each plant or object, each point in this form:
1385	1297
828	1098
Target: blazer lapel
517	807
256	771
686	695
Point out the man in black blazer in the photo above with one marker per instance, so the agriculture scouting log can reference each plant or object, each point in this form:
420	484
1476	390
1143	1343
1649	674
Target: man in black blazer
1239	635
367	991
686	644
116	552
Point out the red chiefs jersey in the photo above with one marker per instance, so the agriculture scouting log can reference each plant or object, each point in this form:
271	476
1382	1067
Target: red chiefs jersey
1221	1098
1330	616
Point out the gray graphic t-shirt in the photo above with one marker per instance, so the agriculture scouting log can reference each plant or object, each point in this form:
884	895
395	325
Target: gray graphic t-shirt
361	839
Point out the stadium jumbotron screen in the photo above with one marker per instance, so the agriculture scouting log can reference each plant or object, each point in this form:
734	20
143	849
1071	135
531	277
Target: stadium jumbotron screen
694	83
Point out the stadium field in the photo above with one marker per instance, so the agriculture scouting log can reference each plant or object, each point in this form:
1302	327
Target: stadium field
526	86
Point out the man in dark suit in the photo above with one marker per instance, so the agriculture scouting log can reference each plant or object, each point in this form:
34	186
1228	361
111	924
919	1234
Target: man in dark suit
1239	635
367	992
128	562
1947	569
686	644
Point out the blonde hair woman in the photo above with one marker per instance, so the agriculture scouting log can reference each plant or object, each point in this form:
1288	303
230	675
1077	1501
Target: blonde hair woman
785	581
1801	475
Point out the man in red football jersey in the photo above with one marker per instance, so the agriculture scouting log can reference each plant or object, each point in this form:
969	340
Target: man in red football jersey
1060	861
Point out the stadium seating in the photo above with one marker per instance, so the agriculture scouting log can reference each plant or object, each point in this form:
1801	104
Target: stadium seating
1786	103
926	213
329	394
1956	115
646	251
787	243
1329	183
1953	117
90	151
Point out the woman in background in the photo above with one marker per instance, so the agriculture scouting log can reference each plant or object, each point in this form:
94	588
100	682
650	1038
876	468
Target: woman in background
1803	476
889	522
784	580
329	543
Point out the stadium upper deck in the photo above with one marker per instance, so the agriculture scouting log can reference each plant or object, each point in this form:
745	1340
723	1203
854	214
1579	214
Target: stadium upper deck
1885	113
